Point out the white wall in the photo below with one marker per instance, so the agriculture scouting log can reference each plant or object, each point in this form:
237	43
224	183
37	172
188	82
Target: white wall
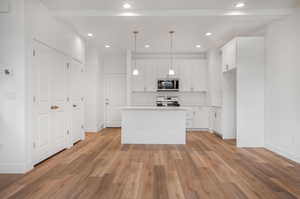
250	91
229	105
94	100
41	25
25	22
13	156
282	97
114	63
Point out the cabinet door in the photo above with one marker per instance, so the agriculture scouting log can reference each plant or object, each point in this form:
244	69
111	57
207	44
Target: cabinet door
201	118
225	64
185	71
162	68
229	56
232	55
138	82
198	75
150	76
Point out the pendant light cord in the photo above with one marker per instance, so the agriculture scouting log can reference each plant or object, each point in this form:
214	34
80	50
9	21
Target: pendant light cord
171	48
135	38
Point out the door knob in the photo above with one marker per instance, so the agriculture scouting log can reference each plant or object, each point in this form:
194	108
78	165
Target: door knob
74	105
54	107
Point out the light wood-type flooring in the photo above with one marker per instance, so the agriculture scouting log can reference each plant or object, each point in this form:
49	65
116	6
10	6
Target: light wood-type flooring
207	167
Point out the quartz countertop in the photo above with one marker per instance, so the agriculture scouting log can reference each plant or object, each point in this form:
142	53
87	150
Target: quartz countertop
155	108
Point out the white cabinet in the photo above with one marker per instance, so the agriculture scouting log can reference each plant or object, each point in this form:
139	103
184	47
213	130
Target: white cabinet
185	75
149	70
201	118
198	75
162	68
191	72
229	56
137	81
198	118
243	91
215	116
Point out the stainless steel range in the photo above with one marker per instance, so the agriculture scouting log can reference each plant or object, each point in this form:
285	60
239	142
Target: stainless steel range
166	101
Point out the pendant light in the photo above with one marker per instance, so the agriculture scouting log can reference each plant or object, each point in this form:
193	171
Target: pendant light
171	69
135	71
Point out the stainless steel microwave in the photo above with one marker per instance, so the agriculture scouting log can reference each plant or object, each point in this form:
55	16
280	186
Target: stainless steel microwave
168	85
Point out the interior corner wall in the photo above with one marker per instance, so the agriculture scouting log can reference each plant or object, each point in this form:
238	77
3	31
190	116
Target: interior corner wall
91	91
13	157
282	90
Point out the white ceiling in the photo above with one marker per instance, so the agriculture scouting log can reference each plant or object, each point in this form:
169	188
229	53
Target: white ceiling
190	27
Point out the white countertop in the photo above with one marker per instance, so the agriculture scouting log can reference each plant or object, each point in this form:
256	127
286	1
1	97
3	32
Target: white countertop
155	108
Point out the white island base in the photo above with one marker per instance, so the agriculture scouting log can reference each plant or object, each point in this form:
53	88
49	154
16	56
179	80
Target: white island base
153	125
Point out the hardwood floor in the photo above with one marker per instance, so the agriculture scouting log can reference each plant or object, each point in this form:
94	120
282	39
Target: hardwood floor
207	167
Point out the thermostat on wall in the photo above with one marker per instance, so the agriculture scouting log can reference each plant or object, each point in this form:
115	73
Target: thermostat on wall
6	72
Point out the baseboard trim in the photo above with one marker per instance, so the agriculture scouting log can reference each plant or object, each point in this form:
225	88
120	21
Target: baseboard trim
280	151
198	129
14	168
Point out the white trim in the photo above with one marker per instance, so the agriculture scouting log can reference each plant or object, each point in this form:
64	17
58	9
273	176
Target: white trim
284	153
91	130
176	12
176	56
199	129
14	168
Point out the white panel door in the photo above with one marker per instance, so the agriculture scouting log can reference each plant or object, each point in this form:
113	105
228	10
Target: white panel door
75	85
58	90
41	68
49	102
115	97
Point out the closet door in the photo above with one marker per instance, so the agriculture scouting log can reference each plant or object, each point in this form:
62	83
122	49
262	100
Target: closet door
49	102
41	68
58	91
76	71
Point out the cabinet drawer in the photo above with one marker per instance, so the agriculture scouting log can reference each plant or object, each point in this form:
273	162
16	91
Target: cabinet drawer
189	115
189	124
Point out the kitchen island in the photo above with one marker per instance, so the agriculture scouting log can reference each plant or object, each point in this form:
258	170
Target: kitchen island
153	125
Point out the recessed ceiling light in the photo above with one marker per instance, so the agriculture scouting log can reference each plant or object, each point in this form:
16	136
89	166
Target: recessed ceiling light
107	46
126	5
208	34
147	46
198	46
135	72
90	34
240	5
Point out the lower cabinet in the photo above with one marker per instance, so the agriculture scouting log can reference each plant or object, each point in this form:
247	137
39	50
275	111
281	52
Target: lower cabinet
198	118
215	115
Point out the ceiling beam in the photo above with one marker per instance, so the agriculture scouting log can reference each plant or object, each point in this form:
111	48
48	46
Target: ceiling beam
175	13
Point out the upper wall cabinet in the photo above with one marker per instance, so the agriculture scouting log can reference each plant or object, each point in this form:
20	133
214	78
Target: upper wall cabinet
229	56
192	74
